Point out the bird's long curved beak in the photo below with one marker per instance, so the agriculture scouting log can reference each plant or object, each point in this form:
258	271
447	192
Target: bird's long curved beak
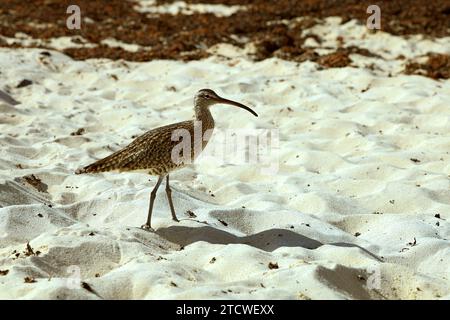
237	104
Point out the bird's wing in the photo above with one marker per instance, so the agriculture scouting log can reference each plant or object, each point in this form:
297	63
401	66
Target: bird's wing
143	152
112	162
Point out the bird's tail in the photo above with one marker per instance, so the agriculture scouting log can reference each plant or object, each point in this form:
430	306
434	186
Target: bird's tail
110	163
95	167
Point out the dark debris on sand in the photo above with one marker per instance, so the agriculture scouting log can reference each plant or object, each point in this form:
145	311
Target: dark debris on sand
187	37
436	67
35	182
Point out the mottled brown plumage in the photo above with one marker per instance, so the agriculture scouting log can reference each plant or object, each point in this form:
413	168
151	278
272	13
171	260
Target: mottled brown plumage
151	151
161	150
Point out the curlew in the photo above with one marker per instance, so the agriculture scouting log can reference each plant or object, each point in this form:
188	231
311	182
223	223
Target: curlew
153	151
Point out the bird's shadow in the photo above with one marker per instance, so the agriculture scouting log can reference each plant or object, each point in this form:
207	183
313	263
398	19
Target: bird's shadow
267	240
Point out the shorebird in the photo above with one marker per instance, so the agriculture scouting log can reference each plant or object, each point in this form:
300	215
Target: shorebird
153	151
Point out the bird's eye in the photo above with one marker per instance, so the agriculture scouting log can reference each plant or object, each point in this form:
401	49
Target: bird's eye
207	96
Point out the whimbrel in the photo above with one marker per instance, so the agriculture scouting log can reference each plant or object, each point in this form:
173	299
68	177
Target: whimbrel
154	150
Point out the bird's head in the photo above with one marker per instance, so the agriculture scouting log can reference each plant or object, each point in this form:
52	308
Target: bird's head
207	98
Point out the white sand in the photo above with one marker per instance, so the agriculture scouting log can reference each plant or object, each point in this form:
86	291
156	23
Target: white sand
346	144
181	7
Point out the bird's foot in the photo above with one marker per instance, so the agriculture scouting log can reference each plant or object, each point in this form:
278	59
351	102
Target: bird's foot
147	227
175	219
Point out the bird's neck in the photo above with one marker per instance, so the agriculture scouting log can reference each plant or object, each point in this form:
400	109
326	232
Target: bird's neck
204	115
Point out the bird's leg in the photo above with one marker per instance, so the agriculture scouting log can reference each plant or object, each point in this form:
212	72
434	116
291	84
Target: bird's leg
148	225
169	197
